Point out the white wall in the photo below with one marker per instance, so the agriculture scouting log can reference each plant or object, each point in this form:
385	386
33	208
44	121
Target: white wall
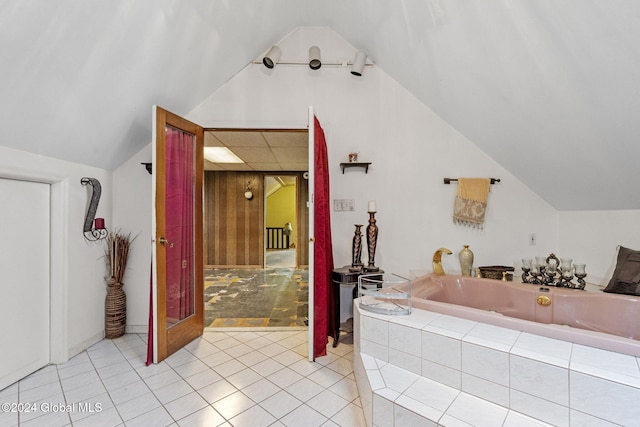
78	268
411	149
132	214
591	237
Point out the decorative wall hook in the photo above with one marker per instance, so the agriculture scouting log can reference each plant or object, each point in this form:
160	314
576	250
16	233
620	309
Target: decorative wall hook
94	228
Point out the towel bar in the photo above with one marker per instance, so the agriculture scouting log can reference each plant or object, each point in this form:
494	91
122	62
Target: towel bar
449	180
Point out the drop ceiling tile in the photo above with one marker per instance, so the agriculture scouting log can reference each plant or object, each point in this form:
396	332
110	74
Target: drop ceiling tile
211	141
234	139
266	166
208	166
287	139
254	154
294	166
291	154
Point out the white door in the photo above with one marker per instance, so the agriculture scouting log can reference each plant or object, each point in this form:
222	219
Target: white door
311	183
24	285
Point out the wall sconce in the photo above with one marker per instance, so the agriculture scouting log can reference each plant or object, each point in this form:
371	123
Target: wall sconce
358	63
272	57
94	228
314	58
248	194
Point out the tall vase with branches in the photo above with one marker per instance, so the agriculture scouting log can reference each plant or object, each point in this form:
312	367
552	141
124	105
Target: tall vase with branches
116	252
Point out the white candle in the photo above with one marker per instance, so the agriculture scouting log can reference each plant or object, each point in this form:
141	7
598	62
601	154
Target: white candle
372	206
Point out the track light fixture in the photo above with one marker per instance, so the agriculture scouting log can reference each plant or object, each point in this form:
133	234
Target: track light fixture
272	57
314	58
275	52
358	63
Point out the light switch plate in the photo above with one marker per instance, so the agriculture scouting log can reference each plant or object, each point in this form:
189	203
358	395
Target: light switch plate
343	205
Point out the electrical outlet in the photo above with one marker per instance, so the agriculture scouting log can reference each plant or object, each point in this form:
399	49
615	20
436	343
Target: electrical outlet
532	239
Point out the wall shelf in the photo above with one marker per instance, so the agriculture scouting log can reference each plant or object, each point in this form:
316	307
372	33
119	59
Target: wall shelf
364	165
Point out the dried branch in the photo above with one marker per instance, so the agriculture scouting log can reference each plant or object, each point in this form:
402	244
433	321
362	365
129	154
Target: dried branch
117	252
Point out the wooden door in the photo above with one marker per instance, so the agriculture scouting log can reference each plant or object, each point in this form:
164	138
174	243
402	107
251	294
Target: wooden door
178	146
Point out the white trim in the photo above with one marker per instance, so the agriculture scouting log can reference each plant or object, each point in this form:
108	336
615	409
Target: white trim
59	275
311	183
136	329
239	124
85	344
154	275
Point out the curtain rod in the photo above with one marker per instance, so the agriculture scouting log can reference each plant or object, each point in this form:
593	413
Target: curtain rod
449	180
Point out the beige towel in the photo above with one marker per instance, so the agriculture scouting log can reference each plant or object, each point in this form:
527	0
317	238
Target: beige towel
471	201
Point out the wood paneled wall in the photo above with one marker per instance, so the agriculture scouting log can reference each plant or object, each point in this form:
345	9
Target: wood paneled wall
234	226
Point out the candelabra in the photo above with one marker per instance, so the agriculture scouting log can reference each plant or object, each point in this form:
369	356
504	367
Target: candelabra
553	272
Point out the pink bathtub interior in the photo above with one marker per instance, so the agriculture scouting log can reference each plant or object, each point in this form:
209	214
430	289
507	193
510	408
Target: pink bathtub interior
597	319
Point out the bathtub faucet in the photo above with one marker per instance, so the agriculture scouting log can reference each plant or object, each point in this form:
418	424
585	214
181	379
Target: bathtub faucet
437	261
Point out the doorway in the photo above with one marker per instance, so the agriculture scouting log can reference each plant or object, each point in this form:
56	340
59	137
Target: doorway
256	230
281	222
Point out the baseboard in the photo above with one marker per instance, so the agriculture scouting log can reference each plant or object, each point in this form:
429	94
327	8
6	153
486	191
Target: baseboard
77	349
136	329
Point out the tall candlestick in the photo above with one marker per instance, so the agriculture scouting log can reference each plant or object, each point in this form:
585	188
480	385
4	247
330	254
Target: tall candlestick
372	240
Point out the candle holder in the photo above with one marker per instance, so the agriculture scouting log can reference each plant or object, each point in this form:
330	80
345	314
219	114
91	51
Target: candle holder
372	239
93	230
553	272
356	250
526	269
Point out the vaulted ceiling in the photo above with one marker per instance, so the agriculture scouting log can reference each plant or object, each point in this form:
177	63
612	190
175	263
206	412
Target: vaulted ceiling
550	89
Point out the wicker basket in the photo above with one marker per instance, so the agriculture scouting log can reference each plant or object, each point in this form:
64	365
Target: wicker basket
495	272
115	316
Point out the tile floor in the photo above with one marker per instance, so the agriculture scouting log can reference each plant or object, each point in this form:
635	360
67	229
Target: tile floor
221	379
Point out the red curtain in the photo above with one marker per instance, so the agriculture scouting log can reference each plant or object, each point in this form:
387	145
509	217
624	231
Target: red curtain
179	223
323	252
179	214
150	328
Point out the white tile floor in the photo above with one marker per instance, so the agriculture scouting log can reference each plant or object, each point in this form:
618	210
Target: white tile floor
222	379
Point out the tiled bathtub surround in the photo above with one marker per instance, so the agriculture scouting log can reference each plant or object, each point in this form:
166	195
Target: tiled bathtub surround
433	369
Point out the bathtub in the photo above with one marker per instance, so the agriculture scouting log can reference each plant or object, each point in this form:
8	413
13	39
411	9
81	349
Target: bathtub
596	319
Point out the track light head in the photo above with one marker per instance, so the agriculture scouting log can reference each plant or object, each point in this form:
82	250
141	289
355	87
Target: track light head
314	58
272	57
358	63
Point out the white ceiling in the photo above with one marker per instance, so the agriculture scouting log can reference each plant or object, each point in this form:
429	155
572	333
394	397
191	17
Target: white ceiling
550	89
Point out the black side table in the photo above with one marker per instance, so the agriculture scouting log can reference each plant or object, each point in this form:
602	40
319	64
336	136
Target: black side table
343	277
